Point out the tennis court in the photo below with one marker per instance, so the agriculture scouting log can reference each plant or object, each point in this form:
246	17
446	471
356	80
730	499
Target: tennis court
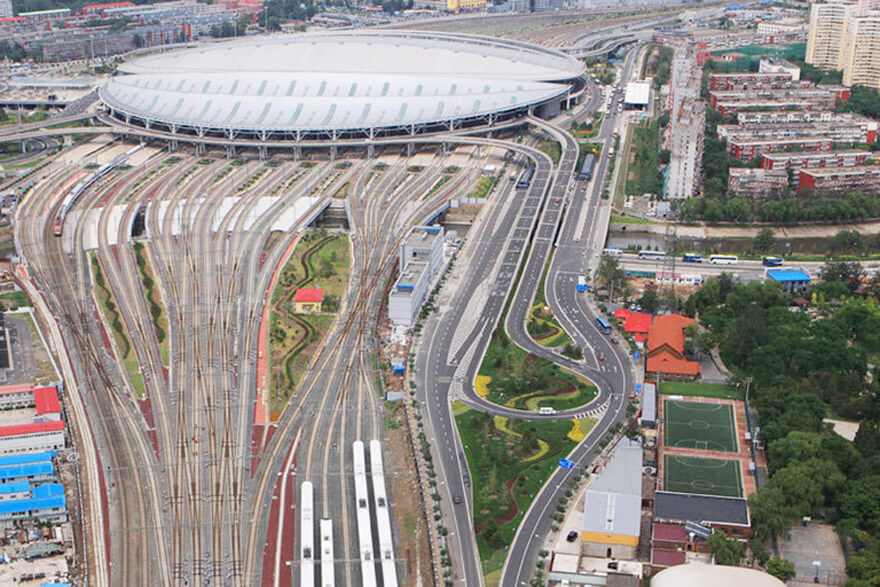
702	476
706	426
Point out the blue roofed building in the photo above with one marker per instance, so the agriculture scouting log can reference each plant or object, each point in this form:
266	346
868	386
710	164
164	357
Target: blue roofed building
31	472
791	280
44	504
15	490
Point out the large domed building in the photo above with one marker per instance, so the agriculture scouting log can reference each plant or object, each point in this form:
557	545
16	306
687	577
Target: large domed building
346	84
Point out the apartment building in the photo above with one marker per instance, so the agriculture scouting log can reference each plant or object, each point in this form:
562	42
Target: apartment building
861	52
748	150
859	130
796	161
825	97
741	81
863	178
755	183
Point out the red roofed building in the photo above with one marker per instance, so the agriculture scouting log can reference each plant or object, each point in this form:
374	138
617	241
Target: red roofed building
666	349
48	406
308	300
637	323
35	437
662	558
669	536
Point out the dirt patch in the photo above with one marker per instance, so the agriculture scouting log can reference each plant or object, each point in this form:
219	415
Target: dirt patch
412	544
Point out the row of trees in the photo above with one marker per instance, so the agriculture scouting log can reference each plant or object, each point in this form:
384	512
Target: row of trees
786	209
802	370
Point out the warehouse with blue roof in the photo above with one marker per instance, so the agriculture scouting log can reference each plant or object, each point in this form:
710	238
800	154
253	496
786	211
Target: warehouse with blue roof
791	280
45	504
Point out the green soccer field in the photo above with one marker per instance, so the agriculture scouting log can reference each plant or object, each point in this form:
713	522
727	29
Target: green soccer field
698	425
702	476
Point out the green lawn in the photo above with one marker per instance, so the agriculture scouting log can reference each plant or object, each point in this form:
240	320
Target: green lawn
629	220
542	325
552	149
715	390
516	376
15	299
509	461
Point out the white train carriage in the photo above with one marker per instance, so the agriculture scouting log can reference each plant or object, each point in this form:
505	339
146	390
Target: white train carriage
365	525
383	515
328	575
307	535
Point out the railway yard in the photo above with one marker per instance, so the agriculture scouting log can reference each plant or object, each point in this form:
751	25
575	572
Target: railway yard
246	410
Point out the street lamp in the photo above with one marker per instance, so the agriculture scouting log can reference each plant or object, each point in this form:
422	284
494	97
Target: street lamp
816	565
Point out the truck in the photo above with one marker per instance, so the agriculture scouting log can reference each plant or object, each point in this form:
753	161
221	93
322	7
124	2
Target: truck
546	411
582	283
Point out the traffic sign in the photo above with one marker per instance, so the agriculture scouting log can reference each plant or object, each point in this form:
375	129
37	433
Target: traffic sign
566	464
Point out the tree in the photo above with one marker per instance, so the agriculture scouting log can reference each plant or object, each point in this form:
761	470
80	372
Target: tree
770	514
610	274
725	550
781	569
847	241
649	301
764	240
849	272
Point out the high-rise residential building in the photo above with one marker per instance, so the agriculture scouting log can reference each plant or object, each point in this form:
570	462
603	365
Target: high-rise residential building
861	55
845	35
826	33
687	123
6	9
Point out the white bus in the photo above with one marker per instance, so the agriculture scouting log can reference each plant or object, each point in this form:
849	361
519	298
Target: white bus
724	259
652	254
612	252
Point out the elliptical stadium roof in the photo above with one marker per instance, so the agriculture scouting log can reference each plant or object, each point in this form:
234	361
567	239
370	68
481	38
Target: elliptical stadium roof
338	82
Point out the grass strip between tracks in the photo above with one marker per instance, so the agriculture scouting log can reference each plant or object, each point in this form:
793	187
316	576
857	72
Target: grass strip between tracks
123	345
157	312
320	260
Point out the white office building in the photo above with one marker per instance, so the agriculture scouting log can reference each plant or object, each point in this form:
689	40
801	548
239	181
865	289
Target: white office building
408	294
423	244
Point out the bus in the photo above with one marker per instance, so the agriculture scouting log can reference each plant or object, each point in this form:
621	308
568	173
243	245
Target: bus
525	180
724	259
652	254
611	252
692	258
771	261
589	163
603	325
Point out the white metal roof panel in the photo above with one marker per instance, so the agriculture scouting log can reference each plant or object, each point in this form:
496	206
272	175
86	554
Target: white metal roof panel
314	101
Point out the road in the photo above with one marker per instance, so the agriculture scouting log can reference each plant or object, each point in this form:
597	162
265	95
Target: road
455	342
